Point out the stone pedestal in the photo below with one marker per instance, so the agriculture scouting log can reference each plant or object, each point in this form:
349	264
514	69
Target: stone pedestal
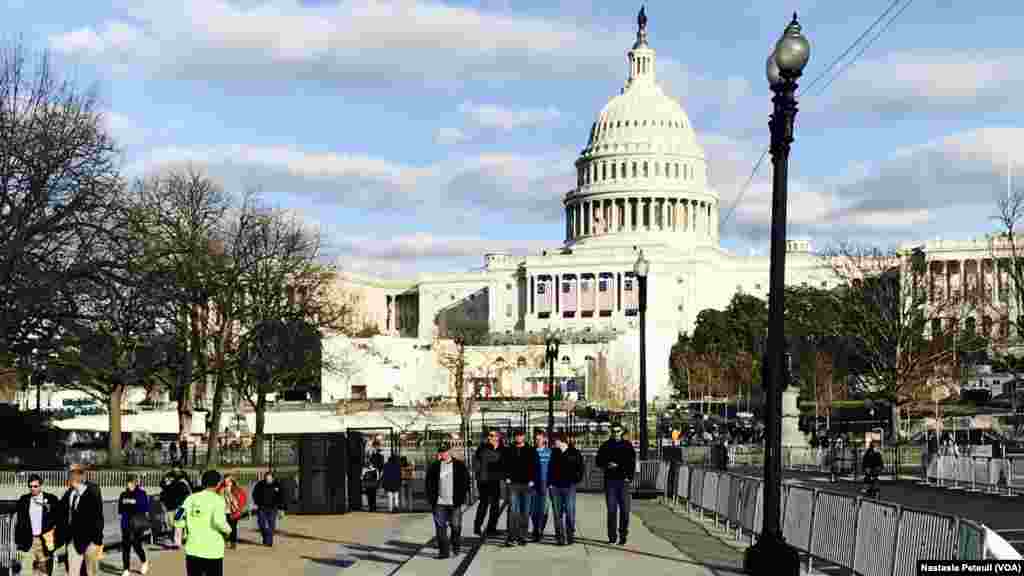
791	434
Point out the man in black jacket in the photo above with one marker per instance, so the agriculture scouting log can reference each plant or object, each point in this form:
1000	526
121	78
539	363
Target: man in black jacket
174	489
487	465
618	459
83	530
566	471
268	498
447	485
38	516
519	466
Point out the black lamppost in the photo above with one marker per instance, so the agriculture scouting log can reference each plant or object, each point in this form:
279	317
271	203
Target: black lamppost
771	554
641	267
551	344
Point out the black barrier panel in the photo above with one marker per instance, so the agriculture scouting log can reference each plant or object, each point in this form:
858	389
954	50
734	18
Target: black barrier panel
355	456
324	476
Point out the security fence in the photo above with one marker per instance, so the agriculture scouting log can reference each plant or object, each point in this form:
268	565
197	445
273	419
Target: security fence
868	537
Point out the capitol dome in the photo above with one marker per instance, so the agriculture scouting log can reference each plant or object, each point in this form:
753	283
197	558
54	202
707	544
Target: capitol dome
642	176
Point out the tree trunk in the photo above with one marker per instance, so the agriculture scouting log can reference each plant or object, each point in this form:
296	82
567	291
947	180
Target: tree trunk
894	432
114	458
257	442
185	401
213	433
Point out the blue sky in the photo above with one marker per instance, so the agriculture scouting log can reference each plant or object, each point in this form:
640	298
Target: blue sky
420	134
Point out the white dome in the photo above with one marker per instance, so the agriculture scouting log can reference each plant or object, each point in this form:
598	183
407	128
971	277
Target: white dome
643	118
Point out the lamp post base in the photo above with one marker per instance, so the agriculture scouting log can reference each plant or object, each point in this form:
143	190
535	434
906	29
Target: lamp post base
771	555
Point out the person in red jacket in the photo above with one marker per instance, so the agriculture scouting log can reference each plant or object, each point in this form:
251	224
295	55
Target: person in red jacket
234	502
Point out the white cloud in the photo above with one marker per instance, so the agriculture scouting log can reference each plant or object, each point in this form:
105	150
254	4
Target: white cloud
921	82
425	245
519	188
499	117
448	136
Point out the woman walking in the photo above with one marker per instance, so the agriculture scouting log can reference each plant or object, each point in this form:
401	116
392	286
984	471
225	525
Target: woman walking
408	474
392	482
234	504
133	506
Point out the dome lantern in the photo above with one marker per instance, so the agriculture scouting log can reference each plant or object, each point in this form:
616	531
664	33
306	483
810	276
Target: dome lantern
641	56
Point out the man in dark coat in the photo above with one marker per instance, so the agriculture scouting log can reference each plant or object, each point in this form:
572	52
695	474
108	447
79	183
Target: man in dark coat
618	459
268	498
566	471
447	485
519	466
487	465
38	515
83	528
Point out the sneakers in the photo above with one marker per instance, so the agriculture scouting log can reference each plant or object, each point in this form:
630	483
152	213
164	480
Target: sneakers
126	573
144	569
622	540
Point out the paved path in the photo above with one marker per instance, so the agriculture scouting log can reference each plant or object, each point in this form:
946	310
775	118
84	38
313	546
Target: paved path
382	544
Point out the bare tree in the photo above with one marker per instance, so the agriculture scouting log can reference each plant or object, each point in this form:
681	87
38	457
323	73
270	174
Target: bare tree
900	333
58	184
464	394
1007	254
181	213
290	302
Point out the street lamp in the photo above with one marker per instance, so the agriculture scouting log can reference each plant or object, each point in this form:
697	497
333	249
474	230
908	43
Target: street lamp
551	344
641	267
771	554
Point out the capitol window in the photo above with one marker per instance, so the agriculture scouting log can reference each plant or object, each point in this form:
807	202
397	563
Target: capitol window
604	171
645	170
657	169
623	169
613	171
666	170
634	169
677	169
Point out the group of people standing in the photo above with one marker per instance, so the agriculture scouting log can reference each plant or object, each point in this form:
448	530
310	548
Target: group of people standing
528	476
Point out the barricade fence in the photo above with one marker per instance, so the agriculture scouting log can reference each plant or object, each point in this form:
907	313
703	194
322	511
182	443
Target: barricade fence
867	537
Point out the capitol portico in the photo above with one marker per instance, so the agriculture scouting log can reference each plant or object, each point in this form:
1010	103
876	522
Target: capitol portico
642	184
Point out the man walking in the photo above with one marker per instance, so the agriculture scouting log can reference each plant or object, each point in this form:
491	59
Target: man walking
447	485
174	489
269	500
618	459
84	529
519	467
539	492
372	475
487	465
566	471
38	514
204	517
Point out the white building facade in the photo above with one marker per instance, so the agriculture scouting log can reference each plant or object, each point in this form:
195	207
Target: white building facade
642	184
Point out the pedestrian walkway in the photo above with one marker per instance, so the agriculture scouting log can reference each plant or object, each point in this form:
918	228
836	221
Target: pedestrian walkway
660	542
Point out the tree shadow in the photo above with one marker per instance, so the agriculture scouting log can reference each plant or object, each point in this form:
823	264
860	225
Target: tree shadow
714	566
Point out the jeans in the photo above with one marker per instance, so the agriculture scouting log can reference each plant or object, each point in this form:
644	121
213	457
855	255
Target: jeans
563	508
406	495
267	520
371	498
445	516
131	541
195	566
539	508
393	501
490	499
518	508
617	498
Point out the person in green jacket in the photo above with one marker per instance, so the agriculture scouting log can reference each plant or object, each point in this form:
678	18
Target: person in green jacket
204	518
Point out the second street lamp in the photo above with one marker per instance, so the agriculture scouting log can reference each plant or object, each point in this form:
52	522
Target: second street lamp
551	352
771	554
641	268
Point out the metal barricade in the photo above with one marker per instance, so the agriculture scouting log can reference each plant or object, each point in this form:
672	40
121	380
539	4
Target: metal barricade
970	540
722	500
798	518
682	485
696	488
661	479
923	536
874	542
735	499
981	479
709	496
749	505
8	551
964	473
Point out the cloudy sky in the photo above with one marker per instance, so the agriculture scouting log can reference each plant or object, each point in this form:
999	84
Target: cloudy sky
419	134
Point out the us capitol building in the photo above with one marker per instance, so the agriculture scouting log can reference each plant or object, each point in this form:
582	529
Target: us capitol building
642	184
